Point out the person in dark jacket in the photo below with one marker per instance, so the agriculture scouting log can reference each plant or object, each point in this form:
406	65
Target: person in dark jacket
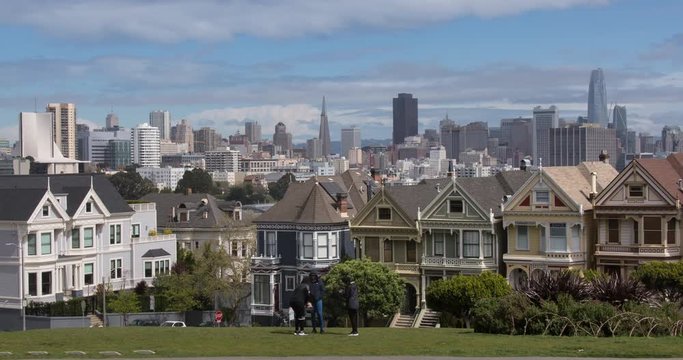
351	295
300	300
317	292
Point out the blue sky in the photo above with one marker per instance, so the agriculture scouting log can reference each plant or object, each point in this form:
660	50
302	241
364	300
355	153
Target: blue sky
219	63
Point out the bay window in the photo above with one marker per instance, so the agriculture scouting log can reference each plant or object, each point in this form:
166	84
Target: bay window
262	289
470	244
322	246
45	243
558	237
271	244
307	252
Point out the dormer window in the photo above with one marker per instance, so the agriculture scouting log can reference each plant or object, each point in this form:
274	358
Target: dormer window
384	213
542	197
455	206
636	191
46	211
88	207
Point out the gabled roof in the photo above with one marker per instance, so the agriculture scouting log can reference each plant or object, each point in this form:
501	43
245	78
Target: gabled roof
575	181
152	253
198	204
488	192
21	192
666	172
413	197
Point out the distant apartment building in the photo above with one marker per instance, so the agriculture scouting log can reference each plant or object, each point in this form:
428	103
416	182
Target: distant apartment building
313	149
282	140
111	121
167	147
572	145
108	148
145	146
162	120
182	134
542	121
164	177
350	139
258	166
183	160
252	129
64	127
222	160
206	139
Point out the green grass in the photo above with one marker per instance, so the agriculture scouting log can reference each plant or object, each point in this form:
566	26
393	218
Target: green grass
264	341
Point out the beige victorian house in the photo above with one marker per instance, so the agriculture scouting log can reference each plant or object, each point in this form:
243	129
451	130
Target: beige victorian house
638	215
549	221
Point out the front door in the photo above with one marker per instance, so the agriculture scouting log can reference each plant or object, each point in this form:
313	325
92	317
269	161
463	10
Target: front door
409	302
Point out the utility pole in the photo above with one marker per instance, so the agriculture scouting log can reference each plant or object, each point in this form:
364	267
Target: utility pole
104	302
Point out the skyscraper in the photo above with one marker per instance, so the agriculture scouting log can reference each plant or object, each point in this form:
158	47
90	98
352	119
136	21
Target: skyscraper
183	135
324	134
405	117
253	131
205	140
64	127
571	145
162	120
597	99
313	151
112	121
671	137
144	146
541	121
282	140
350	138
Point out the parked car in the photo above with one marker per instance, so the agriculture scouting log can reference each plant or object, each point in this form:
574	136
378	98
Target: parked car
173	324
141	322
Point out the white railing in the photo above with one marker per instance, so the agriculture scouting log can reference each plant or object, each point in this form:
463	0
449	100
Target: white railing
565	255
140	207
265	260
645	250
316	263
154	238
455	262
403	268
257	309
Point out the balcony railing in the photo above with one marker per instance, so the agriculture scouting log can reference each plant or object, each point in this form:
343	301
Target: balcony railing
262	309
638	250
154	238
140	207
316	263
266	260
455	262
403	268
565	255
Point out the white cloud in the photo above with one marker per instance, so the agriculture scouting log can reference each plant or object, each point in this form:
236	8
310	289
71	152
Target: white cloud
216	20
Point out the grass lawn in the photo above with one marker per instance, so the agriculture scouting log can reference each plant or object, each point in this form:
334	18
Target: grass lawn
264	341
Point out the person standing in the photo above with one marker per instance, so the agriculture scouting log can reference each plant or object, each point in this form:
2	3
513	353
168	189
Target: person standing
351	295
317	292
300	300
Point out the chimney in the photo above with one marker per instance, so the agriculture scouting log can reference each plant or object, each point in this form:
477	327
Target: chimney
188	191
438	187
342	203
594	184
604	156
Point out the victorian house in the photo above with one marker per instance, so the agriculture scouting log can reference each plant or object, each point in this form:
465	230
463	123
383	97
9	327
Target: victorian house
307	231
638	215
549	221
62	235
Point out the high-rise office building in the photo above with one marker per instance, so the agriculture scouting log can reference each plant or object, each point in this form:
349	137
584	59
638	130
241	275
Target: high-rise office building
671	137
205	140
313	149
106	146
474	136
82	135
282	140
449	133
571	145
182	134
620	125
112	121
162	120
515	137
405	117
324	133
253	131
350	138
541	121
144	146
597	99
64	127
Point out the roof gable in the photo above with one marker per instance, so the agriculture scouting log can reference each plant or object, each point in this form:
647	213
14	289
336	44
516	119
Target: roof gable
439	207
96	207
383	199
55	212
635	174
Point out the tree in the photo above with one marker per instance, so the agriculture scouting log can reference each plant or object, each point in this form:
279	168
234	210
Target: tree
198	180
131	185
663	277
278	189
178	289
125	302
380	290
459	294
247	193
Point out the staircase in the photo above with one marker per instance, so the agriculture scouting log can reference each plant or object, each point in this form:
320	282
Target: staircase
428	318
403	321
95	321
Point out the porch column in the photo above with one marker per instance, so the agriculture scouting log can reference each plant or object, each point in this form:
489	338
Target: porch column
641	231
460	243
481	245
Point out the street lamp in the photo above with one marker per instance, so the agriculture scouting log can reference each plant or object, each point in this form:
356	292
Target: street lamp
21	282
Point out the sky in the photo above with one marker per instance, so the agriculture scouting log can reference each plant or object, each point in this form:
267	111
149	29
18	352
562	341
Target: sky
219	63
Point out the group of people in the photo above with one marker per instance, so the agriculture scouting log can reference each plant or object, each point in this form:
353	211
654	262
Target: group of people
309	295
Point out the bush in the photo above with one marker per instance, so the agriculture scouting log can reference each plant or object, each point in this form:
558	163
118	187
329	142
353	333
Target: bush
504	315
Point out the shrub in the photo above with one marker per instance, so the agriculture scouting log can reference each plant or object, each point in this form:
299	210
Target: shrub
504	315
618	291
547	287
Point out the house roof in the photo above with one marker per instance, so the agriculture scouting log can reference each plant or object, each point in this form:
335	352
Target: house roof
197	203
666	172
152	253
575	181
413	197
20	193
488	192
314	201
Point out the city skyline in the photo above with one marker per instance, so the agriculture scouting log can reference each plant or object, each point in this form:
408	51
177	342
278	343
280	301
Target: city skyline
231	71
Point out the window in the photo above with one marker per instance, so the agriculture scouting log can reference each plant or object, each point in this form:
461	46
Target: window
135	231
652	230
411	251
438	242
148	269
32	249
636	191
576	238
542	197
262	289
46	211
244	250
234	248
33	284
88	237
162	267
45	243
46	282
115	269
384	213
455	206
88	274
613	231
388	251
114	234
88	207
270	250
76	239
307	252
470	244
488	245
289	283
522	238
333	246
322	246
636	233
558	237
671	232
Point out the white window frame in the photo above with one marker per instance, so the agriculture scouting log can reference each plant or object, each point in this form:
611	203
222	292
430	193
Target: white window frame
541	201
270	244
307	246
92	265
115	234
261	293
384	208
334	245
92	229
525	233
52	282
151	269
49	233
88	207
133	232
454	201
467	247
555	240
46	211
116	268
322	246
290	283
441	239
32	238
